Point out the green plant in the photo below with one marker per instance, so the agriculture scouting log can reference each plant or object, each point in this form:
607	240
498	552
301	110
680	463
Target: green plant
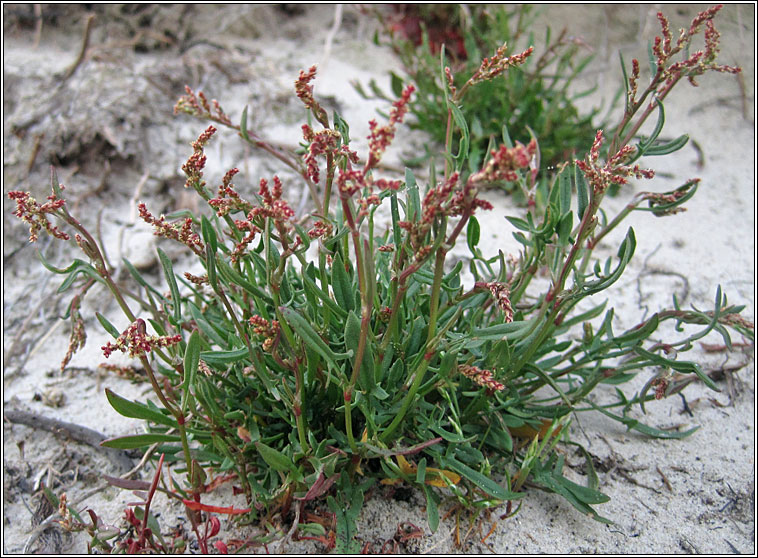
533	99
335	350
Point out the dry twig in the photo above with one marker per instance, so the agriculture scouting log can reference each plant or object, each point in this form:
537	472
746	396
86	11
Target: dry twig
74	431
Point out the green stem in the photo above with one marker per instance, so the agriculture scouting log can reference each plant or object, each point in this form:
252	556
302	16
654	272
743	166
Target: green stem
594	241
329	182
177	414
429	349
544	331
365	317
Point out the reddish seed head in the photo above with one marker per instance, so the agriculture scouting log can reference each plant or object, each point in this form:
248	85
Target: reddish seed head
498	63
303	89
135	341
484	378
35	215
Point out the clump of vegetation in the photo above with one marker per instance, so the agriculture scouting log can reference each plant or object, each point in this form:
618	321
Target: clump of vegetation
533	99
331	351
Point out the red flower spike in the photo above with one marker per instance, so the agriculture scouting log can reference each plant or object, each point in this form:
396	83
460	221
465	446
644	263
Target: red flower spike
381	136
484	378
303	89
505	162
321	143
35	215
320	229
136	343
268	330
497	64
613	172
502	294
181	231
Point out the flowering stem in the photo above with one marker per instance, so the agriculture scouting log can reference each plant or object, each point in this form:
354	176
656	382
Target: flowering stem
585	230
250	137
297	404
177	413
347	212
644	116
329	182
91	249
431	343
595	240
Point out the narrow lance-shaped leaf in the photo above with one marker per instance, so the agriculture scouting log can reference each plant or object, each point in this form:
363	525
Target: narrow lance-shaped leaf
132	409
224	357
582	192
191	362
634	424
139	441
643	146
625	77
485	483
414	201
472	235
667	147
276	459
107	326
243	126
312	288
310	337
168	271
432	511
564	185
341	284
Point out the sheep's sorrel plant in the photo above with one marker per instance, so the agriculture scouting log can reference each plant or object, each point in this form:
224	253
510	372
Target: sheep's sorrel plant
332	351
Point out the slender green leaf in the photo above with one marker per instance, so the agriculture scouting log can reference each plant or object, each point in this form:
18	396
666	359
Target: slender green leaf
432	510
634	424
685	367
414	201
311	338
229	274
107	326
460	121
191	362
485	483
275	459
209	233
139	441
667	147
625	77
243	126
206	327
224	357
582	191
342	127
511	331
210	266
643	146
472	234
584	316
564	184
311	287
132	409
342	284
168	271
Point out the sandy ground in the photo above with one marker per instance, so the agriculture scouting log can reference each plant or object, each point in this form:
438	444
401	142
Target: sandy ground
109	128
